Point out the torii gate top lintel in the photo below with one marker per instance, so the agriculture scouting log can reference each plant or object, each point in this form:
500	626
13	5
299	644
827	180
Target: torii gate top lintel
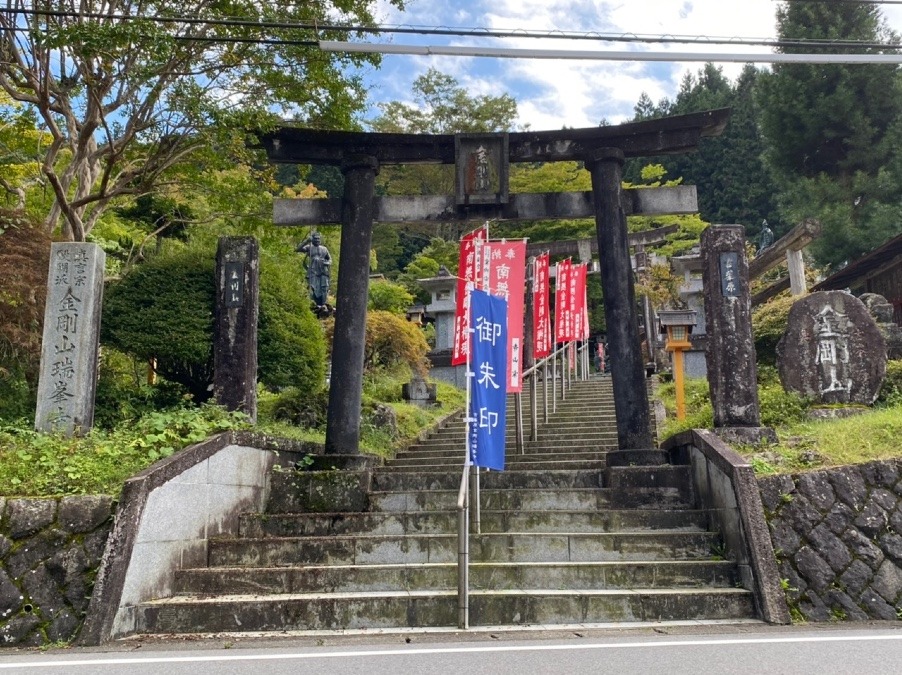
666	135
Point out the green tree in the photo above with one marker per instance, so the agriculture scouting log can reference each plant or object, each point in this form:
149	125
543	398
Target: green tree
129	90
833	131
163	310
24	259
734	185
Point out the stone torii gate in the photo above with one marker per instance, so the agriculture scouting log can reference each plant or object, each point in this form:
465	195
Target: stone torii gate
602	149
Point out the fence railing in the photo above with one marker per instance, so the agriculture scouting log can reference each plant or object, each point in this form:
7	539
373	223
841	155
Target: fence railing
469	482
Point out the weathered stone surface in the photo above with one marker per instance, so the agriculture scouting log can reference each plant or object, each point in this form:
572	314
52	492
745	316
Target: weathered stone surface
71	338
64	627
849	564
817	489
800	514
773	488
830	548
872	521
10	596
884	498
843	606
814	569
891	543
838	517
832	350
862	548
785	539
46	576
43	591
856	578
884	474
888	582
20	631
27	516
84	514
877	607
850	486
730	351
35	550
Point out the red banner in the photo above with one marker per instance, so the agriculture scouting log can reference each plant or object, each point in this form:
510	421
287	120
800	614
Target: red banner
469	269
580	314
541	318
505	277
561	301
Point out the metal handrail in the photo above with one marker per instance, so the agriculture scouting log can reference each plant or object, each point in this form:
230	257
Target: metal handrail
463	551
463	493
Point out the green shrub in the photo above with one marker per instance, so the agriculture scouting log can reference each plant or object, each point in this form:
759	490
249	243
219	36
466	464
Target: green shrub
163	309
291	347
768	325
891	390
388	296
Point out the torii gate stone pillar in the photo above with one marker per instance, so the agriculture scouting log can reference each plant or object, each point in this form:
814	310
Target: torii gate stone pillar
343	419
624	347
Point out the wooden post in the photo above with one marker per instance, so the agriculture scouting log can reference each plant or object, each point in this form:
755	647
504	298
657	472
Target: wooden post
346	388
627	369
796	267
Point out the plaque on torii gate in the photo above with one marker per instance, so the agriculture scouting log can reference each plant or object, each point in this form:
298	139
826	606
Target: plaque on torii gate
602	149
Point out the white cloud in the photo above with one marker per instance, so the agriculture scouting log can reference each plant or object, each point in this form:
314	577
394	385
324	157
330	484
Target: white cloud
551	94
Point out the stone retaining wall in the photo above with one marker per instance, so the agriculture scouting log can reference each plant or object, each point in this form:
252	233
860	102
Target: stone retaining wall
49	553
837	535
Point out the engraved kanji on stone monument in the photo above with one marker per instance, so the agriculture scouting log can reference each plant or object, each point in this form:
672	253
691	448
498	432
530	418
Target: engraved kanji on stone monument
481	168
69	353
832	350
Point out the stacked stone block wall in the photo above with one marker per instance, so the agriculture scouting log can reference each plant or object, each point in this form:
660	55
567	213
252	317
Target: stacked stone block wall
50	550
837	535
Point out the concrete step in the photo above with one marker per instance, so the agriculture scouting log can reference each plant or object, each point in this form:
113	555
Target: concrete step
450	445
390	481
569	499
257	525
394	609
515	463
443	576
442	548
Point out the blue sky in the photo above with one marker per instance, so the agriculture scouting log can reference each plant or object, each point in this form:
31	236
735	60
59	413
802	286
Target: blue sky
551	94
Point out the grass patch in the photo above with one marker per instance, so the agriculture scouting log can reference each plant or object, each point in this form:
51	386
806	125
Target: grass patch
38	464
804	444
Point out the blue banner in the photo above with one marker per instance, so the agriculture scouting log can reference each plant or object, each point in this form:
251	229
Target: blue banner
488	379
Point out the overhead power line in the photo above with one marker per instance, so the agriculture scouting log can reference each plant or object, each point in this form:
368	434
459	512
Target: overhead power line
598	55
387	29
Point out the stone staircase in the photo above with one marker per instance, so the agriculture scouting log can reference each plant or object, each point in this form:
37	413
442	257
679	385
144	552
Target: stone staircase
565	539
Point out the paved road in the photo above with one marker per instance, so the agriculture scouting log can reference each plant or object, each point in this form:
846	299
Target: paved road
759	649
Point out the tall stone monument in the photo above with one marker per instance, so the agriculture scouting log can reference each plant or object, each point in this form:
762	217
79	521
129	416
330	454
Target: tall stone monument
832	350
235	324
70	347
730	351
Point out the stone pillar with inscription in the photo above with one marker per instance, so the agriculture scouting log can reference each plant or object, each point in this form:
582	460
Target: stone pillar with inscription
235	324
68	378
624	348
732	374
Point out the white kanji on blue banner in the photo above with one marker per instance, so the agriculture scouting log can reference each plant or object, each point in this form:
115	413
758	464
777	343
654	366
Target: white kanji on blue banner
488	379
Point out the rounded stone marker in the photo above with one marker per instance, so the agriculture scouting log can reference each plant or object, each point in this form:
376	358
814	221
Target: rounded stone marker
832	350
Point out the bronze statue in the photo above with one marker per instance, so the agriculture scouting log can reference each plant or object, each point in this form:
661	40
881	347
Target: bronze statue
765	238
317	264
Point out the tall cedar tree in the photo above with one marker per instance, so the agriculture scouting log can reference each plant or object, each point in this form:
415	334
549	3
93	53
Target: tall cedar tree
833	131
733	184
